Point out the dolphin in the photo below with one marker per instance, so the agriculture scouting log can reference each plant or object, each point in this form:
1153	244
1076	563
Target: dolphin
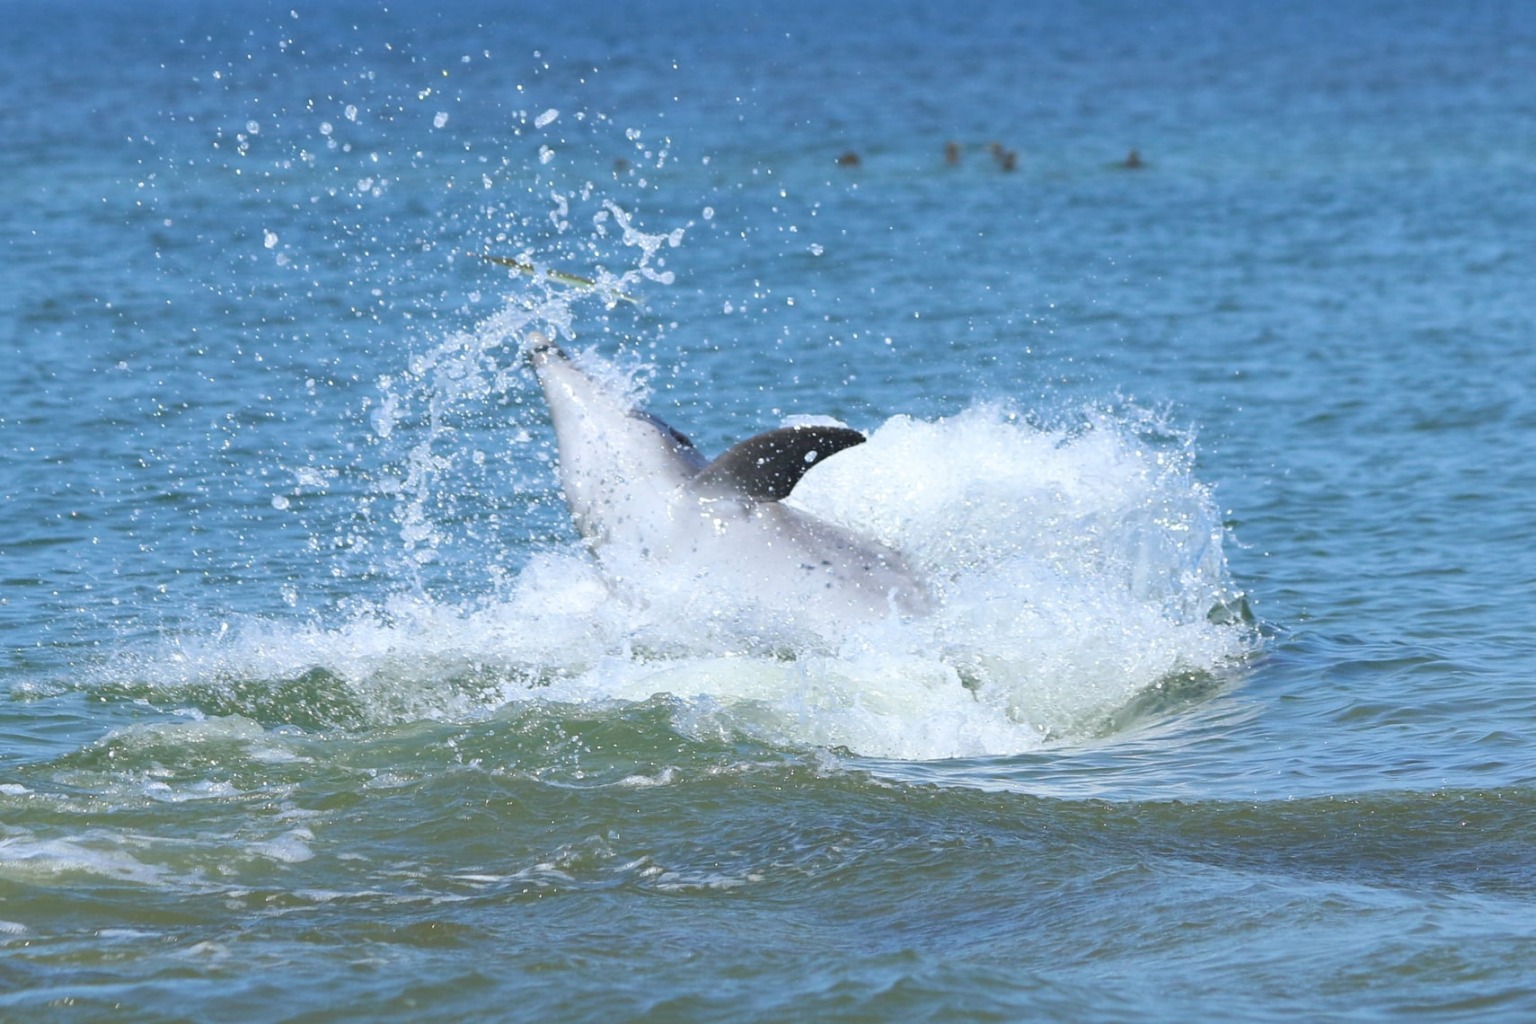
646	500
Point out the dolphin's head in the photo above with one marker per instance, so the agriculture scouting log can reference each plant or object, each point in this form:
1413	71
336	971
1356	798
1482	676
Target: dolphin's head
540	349
620	467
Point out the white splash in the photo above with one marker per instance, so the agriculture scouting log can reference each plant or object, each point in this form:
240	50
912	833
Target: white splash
1077	567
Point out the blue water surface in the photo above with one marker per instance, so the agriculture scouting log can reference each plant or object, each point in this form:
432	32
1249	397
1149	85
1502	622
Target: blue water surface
274	747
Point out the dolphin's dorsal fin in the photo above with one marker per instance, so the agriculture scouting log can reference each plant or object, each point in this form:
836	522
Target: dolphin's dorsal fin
767	467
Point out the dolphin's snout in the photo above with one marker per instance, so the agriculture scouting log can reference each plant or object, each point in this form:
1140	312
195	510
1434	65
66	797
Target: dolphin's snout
539	349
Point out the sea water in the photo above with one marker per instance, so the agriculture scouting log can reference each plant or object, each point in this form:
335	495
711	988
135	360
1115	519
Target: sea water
1219	462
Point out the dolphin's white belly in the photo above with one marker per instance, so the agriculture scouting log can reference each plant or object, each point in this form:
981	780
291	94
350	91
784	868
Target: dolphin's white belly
784	559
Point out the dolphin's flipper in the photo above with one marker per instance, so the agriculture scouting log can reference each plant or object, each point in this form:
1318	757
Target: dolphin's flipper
767	467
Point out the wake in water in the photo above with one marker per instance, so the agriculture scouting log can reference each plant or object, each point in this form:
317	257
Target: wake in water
1076	569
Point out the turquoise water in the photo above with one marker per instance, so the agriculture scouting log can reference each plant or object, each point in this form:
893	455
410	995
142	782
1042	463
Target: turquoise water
1222	468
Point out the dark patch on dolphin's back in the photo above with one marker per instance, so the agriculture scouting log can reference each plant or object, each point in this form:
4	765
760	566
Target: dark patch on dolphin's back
680	442
662	425
767	467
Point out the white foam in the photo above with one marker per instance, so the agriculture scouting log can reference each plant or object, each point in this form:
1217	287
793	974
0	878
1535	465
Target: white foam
665	777
199	730
1076	564
292	847
28	857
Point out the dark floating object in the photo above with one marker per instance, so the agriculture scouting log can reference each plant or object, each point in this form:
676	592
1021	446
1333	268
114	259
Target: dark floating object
1007	159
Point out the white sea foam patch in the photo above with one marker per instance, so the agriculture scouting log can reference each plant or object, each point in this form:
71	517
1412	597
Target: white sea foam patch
1077	568
28	857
